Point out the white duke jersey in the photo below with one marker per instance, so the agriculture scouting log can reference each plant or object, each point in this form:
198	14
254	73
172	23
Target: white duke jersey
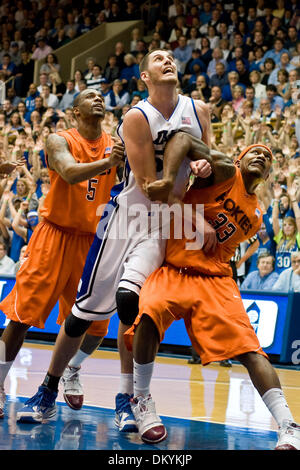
184	118
123	254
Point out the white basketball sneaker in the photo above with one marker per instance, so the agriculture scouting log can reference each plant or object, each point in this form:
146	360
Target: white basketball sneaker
288	436
73	391
149	424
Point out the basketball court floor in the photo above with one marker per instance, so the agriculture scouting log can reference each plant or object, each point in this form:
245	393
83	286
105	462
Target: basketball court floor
203	408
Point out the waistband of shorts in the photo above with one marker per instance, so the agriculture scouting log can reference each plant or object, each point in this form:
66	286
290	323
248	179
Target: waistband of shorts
68	229
191	271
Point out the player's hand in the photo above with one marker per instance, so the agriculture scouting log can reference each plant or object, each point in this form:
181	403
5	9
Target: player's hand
158	191
201	168
117	154
210	238
6	168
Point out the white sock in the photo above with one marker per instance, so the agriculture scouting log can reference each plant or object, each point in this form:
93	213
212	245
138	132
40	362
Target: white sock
4	369
276	403
78	359
126	384
142	375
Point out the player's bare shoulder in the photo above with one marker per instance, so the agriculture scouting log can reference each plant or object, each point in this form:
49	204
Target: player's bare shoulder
56	148
55	142
201	106
135	125
135	116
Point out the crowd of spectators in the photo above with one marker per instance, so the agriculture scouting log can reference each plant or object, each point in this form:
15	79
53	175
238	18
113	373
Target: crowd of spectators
241	58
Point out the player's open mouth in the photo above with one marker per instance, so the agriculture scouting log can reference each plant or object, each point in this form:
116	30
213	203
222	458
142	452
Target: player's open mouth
168	70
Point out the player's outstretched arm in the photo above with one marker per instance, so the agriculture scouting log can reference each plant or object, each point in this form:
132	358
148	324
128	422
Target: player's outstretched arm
62	161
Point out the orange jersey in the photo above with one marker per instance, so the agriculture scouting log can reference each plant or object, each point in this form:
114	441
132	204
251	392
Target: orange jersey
75	206
234	214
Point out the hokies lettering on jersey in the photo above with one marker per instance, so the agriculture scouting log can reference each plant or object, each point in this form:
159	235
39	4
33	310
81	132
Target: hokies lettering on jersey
238	215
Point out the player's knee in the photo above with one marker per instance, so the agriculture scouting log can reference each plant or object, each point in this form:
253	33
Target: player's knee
75	327
127	305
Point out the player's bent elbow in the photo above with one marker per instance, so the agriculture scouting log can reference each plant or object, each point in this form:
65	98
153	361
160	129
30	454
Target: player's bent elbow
181	141
71	177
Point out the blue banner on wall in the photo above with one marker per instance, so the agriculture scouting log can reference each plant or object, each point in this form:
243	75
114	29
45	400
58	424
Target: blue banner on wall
268	314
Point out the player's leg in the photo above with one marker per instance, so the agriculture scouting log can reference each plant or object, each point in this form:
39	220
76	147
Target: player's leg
96	293
145	346
72	388
10	344
127	308
223	315
42	405
144	338
267	383
35	292
141	261
179	146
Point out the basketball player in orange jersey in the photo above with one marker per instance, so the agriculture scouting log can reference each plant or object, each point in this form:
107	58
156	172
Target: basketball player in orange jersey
82	167
198	287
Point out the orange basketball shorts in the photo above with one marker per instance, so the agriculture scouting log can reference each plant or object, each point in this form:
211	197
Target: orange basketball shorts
215	319
54	262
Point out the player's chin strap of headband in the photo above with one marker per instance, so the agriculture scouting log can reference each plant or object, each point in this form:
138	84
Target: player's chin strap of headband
246	150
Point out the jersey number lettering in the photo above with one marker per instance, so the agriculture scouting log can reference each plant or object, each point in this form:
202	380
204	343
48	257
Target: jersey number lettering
224	228
91	191
283	261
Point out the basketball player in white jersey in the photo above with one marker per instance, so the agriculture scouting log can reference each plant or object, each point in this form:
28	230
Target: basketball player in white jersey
122	257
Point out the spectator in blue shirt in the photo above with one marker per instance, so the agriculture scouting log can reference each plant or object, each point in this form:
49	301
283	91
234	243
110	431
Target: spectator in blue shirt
205	12
264	277
275	100
238	54
266	244
233	79
182	53
7	67
220	78
30	100
283	64
275	53
289	279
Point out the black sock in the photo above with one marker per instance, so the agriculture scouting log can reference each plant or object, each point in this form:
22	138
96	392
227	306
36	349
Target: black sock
51	382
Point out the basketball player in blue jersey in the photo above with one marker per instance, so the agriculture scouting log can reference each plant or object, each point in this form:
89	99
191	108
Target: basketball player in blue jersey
118	263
